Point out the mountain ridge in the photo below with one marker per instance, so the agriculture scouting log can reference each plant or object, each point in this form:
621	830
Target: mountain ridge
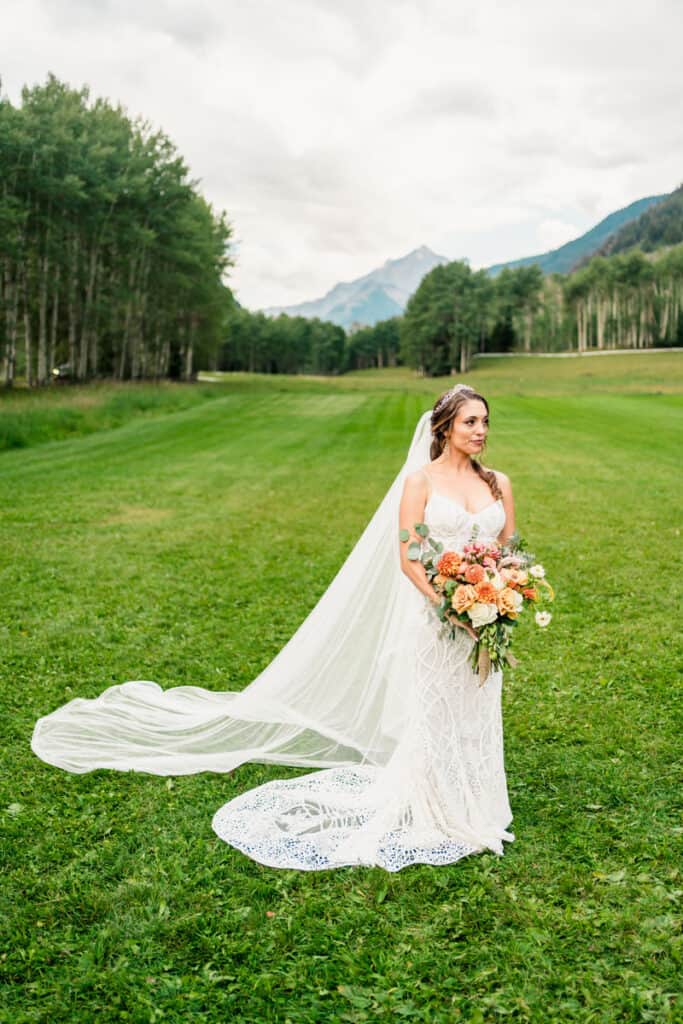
564	259
386	288
384	292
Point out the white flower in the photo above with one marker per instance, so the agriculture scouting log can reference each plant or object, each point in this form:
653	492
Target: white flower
481	614
537	571
497	582
518	601
543	618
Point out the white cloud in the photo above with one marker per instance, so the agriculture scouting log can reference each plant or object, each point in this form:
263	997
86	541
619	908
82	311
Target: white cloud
552	233
339	134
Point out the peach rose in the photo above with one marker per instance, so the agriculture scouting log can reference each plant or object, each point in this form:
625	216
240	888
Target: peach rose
518	578
509	602
439	580
486	592
463	598
474	573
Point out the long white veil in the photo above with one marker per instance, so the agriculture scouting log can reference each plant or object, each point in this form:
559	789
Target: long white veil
333	696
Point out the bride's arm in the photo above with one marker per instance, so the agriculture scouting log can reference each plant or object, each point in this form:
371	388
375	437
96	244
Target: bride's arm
508	506
411	511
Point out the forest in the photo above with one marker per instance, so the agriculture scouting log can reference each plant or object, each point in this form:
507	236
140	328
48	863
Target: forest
113	265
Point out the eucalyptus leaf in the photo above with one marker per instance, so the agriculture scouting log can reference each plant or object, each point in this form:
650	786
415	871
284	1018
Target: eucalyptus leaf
413	551
422	529
403	535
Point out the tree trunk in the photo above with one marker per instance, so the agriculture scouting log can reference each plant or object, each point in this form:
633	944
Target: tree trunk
52	343
73	312
11	322
464	356
528	320
94	339
664	322
84	341
28	339
602	320
189	347
42	320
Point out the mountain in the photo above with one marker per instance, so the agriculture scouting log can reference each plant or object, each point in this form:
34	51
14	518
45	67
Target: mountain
381	294
565	258
384	292
659	226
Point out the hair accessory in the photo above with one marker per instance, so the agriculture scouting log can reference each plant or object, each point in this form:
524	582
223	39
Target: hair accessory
449	394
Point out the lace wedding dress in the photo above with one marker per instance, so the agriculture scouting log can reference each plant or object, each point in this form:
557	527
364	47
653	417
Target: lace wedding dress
369	689
443	793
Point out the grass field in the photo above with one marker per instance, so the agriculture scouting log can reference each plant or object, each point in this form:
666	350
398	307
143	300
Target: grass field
123	558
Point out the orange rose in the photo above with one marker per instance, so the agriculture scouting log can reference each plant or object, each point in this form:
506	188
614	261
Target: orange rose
486	592
531	594
463	598
475	573
449	563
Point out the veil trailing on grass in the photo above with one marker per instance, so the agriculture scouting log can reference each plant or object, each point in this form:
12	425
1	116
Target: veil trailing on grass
334	695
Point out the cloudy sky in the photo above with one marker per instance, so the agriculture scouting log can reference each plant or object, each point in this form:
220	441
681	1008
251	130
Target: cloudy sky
341	133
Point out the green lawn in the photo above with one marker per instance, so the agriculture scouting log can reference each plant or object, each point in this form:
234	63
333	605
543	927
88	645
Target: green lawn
124	556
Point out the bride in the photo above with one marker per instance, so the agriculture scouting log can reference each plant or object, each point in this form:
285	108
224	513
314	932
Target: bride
370	690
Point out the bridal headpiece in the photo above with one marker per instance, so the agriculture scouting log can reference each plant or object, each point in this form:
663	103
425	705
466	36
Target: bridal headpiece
449	394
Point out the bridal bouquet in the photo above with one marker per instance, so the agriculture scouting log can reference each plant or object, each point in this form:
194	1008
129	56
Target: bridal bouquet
487	586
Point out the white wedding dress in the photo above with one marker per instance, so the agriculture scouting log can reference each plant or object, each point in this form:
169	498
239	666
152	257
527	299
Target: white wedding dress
443	793
370	689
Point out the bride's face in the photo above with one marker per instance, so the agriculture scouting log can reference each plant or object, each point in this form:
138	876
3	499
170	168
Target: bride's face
469	427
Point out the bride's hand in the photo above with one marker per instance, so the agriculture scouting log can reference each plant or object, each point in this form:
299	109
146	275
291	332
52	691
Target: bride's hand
436	601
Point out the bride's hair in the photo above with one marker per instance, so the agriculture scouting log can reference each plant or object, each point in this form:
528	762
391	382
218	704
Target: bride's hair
444	412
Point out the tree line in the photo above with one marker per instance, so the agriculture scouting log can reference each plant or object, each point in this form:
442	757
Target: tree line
630	300
111	262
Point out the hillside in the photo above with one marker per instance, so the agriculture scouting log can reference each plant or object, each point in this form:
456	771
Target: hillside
566	257
660	225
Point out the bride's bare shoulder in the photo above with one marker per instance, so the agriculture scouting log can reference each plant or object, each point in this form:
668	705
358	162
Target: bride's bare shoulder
503	480
417	480
420	474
